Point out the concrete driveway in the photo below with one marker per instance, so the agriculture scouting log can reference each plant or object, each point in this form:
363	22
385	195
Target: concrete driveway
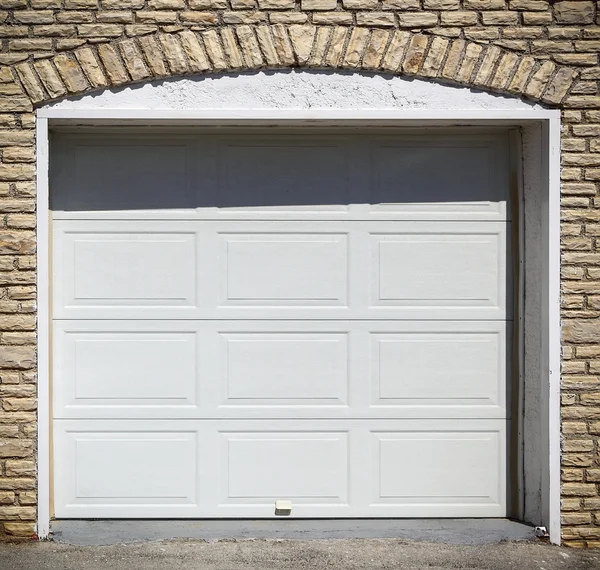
295	555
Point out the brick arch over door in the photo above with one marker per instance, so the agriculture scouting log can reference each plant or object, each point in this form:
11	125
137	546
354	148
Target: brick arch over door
245	47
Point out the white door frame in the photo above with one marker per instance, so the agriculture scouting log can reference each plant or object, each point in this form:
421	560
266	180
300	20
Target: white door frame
551	346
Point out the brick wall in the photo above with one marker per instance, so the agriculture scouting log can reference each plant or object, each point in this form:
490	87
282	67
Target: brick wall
541	50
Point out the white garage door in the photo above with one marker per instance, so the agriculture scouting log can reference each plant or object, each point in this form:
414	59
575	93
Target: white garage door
241	318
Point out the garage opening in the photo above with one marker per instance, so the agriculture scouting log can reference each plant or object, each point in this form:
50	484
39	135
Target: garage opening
323	317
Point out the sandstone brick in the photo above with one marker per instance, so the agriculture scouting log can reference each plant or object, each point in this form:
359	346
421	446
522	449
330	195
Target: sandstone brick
302	38
435	57
137	30
505	70
214	50
156	16
200	18
70	73
91	67
10	513
299	18
100	30
276	4
486	69
578	446
20	468
18	154
16	484
15	448
153	55
250	47
198	61
231	49
133	59
415	54
356	47
570	504
454	58
484	4
27	498
375	49
395	53
375	19
30	82
265	40
19	529
441	4
112	64
417	20
244	17
576	518
574	12
360	4
401	4
578	59
503	18
282	44
174	53
462	18
538	81
115	17
166	4
318	4
521	76
334	52
7	497
528	5
579	490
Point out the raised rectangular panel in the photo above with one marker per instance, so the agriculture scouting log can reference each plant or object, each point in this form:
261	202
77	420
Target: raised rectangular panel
439	468
129	269
125	368
127	468
469	178
457	269
438	369
306	466
284	269
115	174
282	174
284	368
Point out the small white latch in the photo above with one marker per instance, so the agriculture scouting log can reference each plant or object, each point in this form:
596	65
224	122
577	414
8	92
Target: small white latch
283	508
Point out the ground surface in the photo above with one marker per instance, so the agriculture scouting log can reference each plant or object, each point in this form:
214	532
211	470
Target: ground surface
354	554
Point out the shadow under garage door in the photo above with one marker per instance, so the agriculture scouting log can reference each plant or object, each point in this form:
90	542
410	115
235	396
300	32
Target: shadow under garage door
245	317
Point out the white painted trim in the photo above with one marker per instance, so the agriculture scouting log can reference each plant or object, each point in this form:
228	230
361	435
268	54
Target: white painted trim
554	331
351	115
325	117
43	327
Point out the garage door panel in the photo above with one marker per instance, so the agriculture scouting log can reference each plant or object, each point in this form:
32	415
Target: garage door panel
104	174
207	177
114	369
284	269
125	269
304	466
110	467
436	269
239	468
438	468
447	369
284	368
275	168
281	270
470	170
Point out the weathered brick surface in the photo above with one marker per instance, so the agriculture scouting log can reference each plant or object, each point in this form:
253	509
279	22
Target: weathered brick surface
540	50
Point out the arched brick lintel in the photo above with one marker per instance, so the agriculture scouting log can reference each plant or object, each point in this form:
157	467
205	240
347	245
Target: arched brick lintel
245	47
